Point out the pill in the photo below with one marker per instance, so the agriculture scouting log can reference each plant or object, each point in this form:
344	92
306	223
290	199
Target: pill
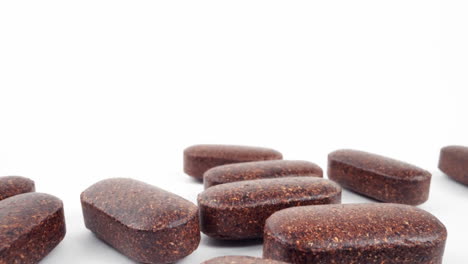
238	210
259	170
31	226
454	162
13	185
379	177
241	260
200	158
355	233
143	222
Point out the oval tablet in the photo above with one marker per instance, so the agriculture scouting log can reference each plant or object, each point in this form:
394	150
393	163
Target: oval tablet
260	170
378	177
241	260
454	162
141	221
355	233
238	210
13	185
200	158
31	225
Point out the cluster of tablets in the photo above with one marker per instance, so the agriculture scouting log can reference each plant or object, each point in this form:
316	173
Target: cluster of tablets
250	193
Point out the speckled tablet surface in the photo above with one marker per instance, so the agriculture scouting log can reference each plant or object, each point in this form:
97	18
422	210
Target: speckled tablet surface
260	170
141	221
241	260
378	177
238	210
200	158
454	162
355	233
31	225
13	185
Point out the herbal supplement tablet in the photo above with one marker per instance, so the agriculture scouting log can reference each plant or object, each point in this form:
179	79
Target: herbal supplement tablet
378	177
260	170
238	210
200	158
31	225
454	162
13	185
141	221
355	233
241	260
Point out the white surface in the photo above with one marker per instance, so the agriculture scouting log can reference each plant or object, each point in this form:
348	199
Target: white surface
98	89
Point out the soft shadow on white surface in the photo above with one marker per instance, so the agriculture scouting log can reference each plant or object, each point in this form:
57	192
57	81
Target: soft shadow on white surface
448	200
352	197
193	180
211	248
85	247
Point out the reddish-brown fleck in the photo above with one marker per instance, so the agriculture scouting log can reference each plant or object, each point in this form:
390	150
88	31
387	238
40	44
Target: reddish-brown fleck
379	177
13	185
238	210
355	233
241	260
454	162
200	158
31	225
141	221
260	170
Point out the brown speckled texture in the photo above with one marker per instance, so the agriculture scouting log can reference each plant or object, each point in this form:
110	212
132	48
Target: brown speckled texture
13	185
238	210
141	221
454	162
241	260
378	177
260	170
31	225
200	158
355	233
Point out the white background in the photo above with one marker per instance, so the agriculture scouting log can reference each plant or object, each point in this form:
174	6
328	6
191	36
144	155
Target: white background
96	89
